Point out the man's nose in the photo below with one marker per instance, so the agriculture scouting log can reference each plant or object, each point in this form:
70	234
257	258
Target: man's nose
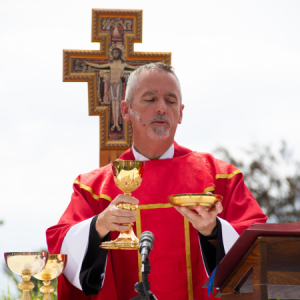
161	105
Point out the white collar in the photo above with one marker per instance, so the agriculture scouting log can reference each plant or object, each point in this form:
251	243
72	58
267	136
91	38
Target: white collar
168	154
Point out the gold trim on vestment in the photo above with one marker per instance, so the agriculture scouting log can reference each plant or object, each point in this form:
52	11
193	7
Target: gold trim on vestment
228	176
157	205
188	258
186	235
87	188
209	189
138	227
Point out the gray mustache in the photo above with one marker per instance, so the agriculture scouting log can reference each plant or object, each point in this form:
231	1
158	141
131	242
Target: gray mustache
160	117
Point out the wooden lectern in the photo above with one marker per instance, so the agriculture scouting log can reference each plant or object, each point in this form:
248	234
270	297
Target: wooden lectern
263	264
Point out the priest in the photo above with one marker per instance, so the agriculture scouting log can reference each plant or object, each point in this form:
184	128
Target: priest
188	243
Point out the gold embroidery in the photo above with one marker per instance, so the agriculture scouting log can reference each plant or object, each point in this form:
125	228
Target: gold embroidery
158	205
87	188
209	189
228	176
187	242
188	258
138	235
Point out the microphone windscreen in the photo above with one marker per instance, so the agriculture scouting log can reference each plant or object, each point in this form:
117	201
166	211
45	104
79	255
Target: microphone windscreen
147	236
146	242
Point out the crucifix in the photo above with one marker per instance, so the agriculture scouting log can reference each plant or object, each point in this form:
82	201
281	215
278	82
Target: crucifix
107	71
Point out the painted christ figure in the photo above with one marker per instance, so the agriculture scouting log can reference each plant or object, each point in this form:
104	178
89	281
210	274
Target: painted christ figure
117	66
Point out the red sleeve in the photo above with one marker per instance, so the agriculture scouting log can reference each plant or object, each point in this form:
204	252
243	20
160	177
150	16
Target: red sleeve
78	210
240	208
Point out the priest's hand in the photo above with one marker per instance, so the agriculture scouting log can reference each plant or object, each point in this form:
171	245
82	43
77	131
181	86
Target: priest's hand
112	218
202	219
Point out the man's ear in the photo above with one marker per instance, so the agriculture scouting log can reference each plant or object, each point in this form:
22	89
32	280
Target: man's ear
125	109
181	114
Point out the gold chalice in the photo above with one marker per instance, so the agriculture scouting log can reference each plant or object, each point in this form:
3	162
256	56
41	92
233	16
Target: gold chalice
55	265
128	177
26	264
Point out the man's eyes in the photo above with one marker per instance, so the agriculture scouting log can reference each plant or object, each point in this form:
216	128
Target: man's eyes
169	100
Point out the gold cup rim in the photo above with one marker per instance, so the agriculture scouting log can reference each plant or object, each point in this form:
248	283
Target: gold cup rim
24	253
194	199
128	163
197	194
10	254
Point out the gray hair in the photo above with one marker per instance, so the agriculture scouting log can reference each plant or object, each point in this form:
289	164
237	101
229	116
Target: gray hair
132	84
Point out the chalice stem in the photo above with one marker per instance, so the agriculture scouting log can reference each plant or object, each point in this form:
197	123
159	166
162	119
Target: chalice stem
26	286
47	297
47	289
128	234
26	295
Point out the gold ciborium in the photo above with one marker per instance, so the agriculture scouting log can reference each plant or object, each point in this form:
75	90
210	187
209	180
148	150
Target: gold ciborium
128	177
55	265
26	264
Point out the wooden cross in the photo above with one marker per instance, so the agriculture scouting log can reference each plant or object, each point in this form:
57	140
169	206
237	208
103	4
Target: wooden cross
107	70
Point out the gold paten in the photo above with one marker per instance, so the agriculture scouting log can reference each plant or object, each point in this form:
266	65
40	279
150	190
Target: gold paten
55	265
26	264
128	177
192	200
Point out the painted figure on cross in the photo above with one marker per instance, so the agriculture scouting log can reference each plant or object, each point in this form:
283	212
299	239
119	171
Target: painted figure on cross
115	88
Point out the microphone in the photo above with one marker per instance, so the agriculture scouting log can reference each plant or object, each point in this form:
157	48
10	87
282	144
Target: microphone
135	114
146	243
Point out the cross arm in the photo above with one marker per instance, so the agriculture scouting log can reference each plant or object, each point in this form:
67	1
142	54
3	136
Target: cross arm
102	66
131	67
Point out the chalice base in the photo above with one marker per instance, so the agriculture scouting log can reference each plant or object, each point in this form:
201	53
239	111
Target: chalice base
125	241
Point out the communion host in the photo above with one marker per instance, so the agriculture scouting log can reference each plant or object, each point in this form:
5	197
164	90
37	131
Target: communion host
188	243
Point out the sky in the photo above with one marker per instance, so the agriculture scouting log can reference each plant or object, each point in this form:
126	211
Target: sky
239	67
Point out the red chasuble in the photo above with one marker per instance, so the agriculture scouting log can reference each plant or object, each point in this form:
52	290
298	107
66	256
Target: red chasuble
177	270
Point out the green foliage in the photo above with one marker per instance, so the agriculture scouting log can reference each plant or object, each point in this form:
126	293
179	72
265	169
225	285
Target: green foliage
8	296
273	177
35	292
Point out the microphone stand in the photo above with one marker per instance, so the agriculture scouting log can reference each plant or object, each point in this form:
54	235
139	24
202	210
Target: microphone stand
143	287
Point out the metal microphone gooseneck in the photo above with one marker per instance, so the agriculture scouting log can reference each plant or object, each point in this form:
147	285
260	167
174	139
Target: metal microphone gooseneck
143	288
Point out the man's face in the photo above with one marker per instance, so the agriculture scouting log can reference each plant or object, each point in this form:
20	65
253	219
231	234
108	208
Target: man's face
115	54
157	102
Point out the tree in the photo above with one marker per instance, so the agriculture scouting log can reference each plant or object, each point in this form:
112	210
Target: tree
273	177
